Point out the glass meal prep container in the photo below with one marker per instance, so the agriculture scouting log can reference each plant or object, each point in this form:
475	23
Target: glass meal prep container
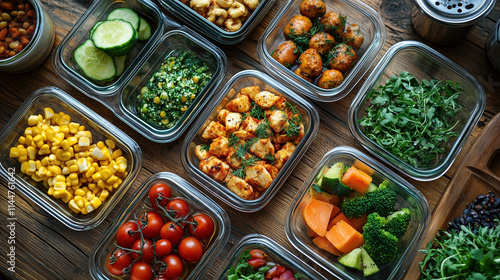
139	203
101	130
357	12
212	31
276	253
37	49
65	64
238	81
424	63
407	196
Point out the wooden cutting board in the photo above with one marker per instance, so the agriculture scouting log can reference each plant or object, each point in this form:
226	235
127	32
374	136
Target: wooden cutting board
478	173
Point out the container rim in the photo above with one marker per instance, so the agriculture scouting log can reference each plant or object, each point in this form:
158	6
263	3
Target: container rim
30	193
420	174
312	91
408	254
457	20
221	191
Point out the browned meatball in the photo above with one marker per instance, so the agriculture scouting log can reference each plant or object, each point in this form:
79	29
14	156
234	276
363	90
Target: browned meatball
322	42
310	63
342	57
312	8
334	23
353	36
298	26
286	53
330	78
303	75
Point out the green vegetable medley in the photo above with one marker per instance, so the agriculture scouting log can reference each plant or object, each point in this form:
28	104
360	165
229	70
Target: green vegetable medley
173	88
413	120
464	255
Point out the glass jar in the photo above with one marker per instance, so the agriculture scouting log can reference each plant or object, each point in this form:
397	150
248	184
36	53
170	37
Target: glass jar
37	49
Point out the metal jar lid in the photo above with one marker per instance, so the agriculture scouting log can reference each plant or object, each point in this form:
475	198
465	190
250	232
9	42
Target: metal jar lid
455	12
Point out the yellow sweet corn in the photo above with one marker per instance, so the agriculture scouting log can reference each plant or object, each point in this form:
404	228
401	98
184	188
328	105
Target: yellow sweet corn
33	120
14	152
74	206
96	202
104	195
60	193
68	197
44	150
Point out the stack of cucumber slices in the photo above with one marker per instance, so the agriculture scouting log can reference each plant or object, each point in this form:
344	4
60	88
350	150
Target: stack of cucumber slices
103	56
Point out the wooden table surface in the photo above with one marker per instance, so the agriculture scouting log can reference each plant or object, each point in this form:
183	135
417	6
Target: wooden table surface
47	249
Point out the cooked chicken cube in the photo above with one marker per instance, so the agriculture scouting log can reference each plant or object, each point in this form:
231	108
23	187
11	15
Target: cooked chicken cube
284	154
250	124
221	117
272	170
234	160
201	153
298	138
240	104
280	103
250	91
240	187
258	175
243	135
266	99
233	121
214	130
220	147
278	120
281	138
214	168
262	147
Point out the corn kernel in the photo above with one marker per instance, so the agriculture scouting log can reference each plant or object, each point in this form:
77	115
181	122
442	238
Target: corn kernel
55	170
60	193
50	191
96	176
31	152
65	129
74	206
31	168
117	183
84	142
112	180
101	184
79	201
97	153
24	167
104	163
14	152
66	170
68	197
79	192
73	168
48	113
59	186
44	150
110	143
116	154
32	120
101	145
28	140
35	131
94	188
84	211
73	127
96	202
104	195
36	178
41	171
89	207
64	120
65	156
60	178
82	165
106	174
21	140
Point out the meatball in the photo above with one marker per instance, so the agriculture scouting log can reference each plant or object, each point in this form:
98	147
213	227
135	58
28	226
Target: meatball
322	42
353	36
312	8
310	63
303	75
342	57
286	53
298	26
330	78
334	23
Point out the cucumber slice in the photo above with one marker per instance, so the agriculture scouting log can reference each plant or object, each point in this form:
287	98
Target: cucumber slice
125	14
352	259
369	266
115	37
144	30
94	63
94	27
332	181
120	64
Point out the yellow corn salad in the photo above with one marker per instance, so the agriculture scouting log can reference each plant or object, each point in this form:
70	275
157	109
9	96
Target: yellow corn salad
60	154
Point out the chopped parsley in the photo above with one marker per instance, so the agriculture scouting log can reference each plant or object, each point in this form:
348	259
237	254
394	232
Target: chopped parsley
233	140
256	111
205	147
271	158
242	149
263	130
293	128
240	172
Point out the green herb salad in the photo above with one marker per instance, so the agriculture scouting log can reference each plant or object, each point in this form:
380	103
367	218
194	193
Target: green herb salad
172	88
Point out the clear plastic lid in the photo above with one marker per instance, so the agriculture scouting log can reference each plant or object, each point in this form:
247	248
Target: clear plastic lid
357	12
101	130
276	253
139	203
423	63
407	196
244	79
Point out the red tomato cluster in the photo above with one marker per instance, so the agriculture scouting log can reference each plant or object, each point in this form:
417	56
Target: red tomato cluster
162	242
259	259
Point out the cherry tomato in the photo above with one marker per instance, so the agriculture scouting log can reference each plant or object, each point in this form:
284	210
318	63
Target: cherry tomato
180	206
191	249
127	234
163	247
275	271
204	227
172	232
141	271
154	223
175	267
257	254
256	263
147	250
122	261
156	190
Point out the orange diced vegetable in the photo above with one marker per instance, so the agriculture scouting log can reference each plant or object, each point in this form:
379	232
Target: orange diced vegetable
358	223
324	244
311	233
316	214
363	167
339	217
335	211
356	179
344	237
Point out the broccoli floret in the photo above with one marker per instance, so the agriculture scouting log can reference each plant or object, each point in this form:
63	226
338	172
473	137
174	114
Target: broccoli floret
381	201
398	222
380	244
